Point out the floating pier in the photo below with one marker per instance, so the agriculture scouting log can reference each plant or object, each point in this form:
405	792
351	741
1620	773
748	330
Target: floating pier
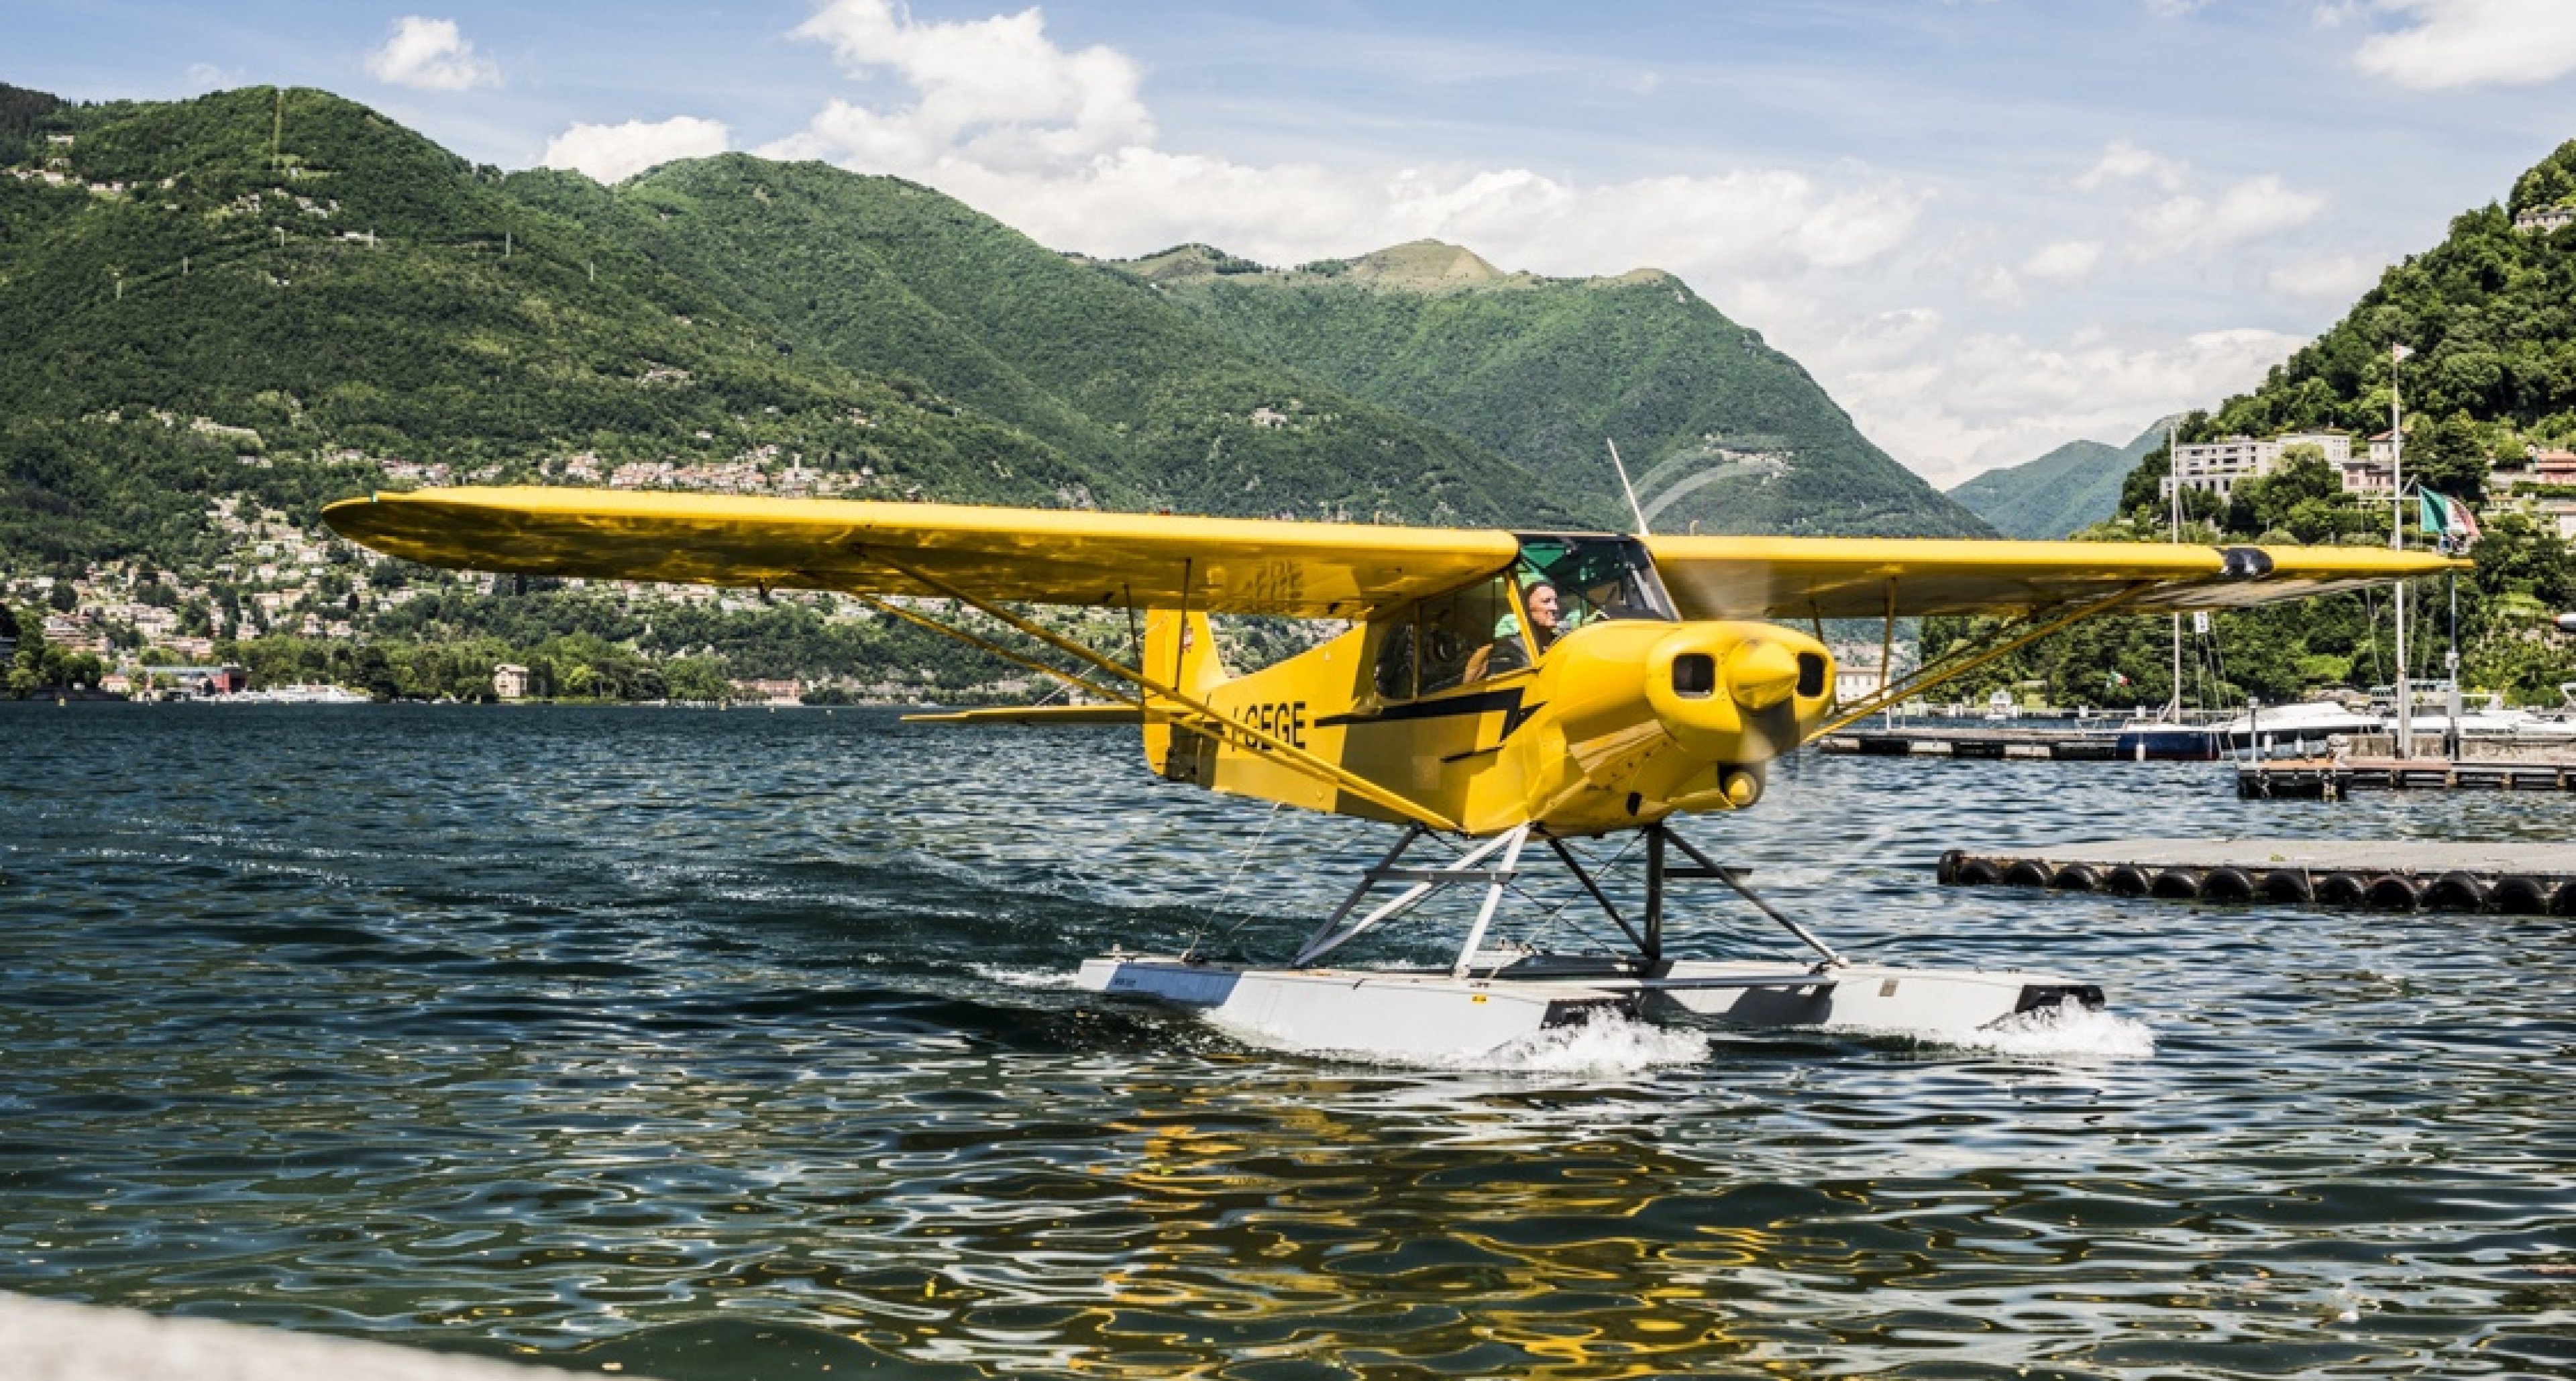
2332	779
2061	745
2514	879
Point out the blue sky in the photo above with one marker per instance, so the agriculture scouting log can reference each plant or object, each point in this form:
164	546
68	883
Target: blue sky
1986	227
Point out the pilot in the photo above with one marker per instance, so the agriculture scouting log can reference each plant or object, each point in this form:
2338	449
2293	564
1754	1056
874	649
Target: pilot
1506	652
1545	615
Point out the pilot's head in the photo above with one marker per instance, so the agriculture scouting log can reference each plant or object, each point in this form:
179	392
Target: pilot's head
1540	598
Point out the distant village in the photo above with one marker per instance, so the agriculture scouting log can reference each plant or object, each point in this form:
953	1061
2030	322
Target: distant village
155	632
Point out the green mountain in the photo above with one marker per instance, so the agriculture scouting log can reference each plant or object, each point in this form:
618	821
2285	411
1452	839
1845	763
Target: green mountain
887	278
2061	493
1720	432
288	277
285	294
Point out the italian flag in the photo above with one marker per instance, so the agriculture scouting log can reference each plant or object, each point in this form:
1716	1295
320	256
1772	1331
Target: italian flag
2447	518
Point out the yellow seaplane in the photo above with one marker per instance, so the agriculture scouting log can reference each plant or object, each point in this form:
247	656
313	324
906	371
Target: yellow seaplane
1493	691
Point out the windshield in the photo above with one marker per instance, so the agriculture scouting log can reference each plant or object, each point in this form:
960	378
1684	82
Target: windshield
1595	578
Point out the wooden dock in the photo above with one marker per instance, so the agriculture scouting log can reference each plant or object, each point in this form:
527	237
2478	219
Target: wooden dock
2059	745
2514	879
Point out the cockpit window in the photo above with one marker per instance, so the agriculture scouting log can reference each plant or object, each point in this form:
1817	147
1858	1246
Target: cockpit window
1595	579
1496	626
1469	635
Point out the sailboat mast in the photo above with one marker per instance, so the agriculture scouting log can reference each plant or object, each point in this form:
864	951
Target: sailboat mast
2173	468
2397	540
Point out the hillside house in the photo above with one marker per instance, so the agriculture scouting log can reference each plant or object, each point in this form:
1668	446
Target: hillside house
767	692
510	681
2216	467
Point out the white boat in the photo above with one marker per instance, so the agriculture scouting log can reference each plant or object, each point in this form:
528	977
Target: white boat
299	695
2270	730
2522	725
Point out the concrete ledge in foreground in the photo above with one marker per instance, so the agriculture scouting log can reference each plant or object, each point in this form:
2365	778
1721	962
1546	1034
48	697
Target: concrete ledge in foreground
50	1340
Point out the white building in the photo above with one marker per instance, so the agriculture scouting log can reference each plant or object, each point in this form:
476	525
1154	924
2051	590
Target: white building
2215	467
2545	219
510	681
2372	475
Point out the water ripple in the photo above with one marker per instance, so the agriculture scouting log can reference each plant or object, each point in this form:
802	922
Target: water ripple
718	1045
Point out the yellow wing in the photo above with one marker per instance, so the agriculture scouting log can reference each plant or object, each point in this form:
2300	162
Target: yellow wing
1305	570
1036	556
1867	577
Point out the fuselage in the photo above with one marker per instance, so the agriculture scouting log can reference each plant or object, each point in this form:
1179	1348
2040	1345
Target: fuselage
1465	705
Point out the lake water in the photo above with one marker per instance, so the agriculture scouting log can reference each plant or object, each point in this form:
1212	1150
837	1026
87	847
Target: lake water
741	1044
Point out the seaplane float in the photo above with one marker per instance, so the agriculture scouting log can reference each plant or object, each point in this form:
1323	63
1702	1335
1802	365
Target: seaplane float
1495	696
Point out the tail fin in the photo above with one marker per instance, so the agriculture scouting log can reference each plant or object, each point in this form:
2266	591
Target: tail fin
1180	651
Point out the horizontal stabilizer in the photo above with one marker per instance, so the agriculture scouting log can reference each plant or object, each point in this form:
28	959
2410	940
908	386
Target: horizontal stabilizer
1033	715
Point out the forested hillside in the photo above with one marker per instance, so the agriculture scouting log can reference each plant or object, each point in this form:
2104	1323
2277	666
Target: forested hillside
890	278
2489	319
261	280
1719	431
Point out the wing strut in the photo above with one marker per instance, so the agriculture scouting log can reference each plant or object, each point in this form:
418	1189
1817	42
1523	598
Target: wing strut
985	644
2011	637
1211	724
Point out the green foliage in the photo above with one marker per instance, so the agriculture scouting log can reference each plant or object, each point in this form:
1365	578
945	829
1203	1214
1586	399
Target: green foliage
1543	370
2303	498
24	118
697	678
363	291
886	277
2551	182
279	298
39	665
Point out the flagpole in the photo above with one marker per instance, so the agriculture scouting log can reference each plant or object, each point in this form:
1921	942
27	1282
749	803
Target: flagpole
2397	540
2452	661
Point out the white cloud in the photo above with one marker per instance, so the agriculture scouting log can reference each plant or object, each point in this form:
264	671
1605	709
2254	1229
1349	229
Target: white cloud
206	76
1957	407
996	90
430	54
2338	278
614	153
1059	144
2067	261
2175	9
2123	161
2250	210
2450	43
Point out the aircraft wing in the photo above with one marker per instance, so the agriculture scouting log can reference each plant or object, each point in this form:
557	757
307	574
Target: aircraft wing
1790	578
1022	555
1300	570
